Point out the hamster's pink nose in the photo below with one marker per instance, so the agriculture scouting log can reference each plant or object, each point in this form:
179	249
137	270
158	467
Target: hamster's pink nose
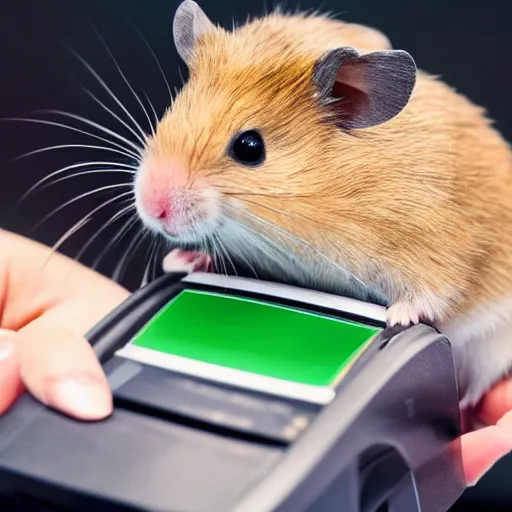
160	182
165	213
159	208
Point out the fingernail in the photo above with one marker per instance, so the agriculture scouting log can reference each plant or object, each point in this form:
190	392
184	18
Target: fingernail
82	397
7	348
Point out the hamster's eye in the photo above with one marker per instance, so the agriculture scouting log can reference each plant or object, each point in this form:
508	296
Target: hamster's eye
247	148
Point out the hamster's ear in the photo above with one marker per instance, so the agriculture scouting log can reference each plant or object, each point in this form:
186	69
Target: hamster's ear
190	22
364	90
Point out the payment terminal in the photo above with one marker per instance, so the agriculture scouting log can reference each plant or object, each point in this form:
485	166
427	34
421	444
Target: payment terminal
238	395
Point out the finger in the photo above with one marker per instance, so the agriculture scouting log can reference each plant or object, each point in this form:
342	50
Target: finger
506	421
483	448
10	381
496	403
61	370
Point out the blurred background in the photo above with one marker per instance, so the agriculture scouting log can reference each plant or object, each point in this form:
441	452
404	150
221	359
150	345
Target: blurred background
49	47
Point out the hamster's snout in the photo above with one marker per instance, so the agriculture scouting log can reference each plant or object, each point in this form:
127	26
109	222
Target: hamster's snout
170	201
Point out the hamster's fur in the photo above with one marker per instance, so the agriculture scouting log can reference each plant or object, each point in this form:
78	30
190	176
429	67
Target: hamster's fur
415	209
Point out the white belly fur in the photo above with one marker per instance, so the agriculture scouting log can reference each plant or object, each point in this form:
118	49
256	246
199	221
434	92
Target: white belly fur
482	348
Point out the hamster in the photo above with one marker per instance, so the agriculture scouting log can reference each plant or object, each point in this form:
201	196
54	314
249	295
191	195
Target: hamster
309	147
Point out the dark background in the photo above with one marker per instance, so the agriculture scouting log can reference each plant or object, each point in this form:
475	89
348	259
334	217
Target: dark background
464	41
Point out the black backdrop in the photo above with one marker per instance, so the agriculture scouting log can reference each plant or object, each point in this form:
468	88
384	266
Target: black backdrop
464	41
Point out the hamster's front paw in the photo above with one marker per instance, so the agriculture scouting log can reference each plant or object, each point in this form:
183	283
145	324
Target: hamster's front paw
185	261
424	308
403	313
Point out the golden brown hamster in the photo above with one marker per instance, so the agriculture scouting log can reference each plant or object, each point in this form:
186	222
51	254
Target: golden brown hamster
308	147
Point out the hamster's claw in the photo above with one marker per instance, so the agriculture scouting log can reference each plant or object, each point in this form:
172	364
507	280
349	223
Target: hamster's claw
402	313
185	261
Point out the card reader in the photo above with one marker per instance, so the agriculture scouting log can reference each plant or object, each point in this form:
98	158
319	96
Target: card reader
238	395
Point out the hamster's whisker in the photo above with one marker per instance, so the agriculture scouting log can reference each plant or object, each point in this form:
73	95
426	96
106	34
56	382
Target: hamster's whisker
83	196
207	247
126	151
72	231
76	146
154	260
305	244
155	115
258	241
150	259
226	253
154	57
216	256
157	260
78	166
265	12
67	235
130	251
182	80
176	91
142	140
118	67
222	264
104	129
112	220
270	249
83	173
239	253
153	111
282	233
300	218
116	239
111	94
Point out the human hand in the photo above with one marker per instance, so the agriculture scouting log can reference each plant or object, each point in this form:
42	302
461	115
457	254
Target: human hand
482	448
47	304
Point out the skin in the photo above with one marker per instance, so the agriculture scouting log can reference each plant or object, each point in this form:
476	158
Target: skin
47	304
482	448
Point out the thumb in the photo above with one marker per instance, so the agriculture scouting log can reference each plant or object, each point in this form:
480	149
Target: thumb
61	370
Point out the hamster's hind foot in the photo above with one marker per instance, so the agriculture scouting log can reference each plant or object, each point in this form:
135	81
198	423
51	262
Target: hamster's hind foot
185	261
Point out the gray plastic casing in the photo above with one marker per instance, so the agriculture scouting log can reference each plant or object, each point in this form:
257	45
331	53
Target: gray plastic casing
179	443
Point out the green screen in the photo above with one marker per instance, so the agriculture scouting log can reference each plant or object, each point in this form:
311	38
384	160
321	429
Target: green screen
253	336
